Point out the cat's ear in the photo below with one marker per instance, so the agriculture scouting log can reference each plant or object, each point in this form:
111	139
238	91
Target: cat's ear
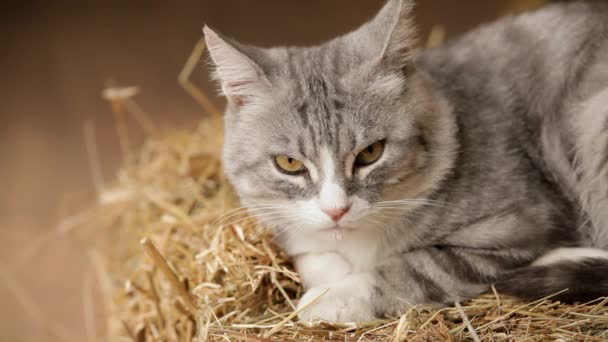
240	78
394	27
401	39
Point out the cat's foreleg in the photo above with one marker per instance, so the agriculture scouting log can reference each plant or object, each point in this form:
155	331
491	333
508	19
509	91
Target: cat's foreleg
333	293
429	276
346	300
425	276
316	269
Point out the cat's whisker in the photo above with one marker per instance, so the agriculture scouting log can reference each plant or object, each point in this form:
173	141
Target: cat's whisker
243	220
263	222
402	209
246	207
243	209
418	200
286	226
410	203
289	226
395	216
244	216
383	227
251	207
271	225
390	216
267	214
402	212
376	222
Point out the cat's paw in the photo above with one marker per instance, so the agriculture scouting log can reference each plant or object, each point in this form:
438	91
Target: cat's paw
335	304
316	269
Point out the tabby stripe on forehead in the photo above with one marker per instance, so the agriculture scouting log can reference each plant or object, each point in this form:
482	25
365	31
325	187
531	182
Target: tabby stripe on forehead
313	137
317	84
329	134
301	146
303	112
293	73
324	87
284	139
326	110
338	105
337	144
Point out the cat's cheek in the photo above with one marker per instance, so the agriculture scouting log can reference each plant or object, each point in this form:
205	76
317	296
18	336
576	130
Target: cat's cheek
244	186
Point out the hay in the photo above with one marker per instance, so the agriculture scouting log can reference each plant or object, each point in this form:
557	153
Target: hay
194	276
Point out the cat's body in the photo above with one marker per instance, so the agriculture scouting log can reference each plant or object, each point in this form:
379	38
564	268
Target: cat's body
494	154
523	92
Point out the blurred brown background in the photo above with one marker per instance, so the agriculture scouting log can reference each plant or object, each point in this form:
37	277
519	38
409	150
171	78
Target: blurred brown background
55	58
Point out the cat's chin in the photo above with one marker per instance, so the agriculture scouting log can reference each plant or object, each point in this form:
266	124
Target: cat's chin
337	231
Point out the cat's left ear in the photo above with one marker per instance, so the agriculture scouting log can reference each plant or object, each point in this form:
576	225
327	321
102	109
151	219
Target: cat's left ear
398	32
400	42
241	79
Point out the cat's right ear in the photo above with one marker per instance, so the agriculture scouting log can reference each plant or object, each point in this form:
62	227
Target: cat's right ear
240	78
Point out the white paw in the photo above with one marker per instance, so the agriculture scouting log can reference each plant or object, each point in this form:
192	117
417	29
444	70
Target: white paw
338	304
321	268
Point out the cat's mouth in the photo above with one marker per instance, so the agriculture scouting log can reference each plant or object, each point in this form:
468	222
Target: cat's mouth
337	228
337	232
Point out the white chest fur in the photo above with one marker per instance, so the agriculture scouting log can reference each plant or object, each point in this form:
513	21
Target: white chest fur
325	258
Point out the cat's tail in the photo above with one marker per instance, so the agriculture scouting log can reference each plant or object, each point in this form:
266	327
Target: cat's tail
565	274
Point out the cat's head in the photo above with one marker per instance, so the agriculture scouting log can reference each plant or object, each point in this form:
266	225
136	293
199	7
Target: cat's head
326	137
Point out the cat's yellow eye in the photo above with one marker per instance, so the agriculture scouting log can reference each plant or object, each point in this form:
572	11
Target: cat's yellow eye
370	154
289	165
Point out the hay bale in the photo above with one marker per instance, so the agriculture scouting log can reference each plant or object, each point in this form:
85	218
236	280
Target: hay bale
205	271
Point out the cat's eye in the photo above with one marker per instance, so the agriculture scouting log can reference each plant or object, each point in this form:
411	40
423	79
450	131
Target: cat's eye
370	154
289	165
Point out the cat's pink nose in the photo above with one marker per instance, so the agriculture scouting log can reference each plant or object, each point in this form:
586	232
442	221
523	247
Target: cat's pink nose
336	213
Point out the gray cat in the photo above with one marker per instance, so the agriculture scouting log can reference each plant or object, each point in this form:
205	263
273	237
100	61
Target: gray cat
395	177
